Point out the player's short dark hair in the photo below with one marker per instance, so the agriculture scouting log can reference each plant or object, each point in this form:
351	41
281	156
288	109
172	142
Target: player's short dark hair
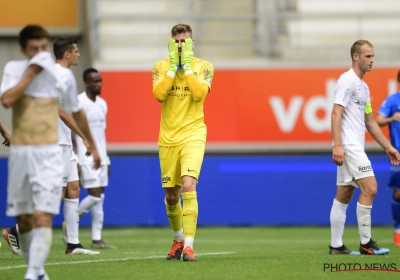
87	72
181	28
31	31
63	44
355	48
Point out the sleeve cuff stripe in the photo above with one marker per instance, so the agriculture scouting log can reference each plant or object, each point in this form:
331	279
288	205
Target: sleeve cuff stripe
171	74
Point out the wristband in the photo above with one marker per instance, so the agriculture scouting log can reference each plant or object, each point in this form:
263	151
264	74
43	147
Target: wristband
171	74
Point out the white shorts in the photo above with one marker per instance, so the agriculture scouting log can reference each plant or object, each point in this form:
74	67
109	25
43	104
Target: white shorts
34	179
356	165
70	167
91	178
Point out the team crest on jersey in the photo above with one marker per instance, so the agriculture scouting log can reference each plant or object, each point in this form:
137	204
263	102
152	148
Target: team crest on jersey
195	74
208	74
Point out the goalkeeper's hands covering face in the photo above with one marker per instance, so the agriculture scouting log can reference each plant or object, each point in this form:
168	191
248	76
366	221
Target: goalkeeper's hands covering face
187	54
173	55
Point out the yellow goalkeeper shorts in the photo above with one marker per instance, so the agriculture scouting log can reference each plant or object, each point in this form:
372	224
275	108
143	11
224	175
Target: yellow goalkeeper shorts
182	160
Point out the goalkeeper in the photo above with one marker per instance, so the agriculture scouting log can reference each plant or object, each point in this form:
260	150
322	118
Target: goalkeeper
181	84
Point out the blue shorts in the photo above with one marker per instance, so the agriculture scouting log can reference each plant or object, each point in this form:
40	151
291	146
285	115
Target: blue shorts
394	179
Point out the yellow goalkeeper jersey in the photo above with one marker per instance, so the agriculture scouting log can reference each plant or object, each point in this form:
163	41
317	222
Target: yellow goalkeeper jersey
182	119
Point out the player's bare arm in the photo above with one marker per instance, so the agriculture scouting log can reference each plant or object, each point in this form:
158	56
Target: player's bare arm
74	148
336	127
70	122
73	140
376	132
83	124
6	135
373	128
381	120
11	96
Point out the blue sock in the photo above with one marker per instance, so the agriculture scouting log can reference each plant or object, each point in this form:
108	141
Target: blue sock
396	212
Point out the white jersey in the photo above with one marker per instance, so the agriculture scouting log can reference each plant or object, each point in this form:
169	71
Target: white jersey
64	132
353	94
42	86
96	114
12	74
46	84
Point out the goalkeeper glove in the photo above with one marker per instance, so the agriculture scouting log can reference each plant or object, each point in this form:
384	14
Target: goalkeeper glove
187	54
173	55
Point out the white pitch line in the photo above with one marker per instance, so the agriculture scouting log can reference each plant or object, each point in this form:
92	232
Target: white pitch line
112	259
253	241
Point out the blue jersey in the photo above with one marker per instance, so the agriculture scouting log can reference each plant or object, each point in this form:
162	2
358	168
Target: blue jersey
388	108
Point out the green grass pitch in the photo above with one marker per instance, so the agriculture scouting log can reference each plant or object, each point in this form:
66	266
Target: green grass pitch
223	253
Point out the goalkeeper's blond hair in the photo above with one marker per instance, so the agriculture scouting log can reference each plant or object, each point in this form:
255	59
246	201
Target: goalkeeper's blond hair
181	28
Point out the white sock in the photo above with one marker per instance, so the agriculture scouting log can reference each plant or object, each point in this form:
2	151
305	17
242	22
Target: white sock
188	242
178	235
97	219
38	251
338	219
71	218
25	240
364	222
86	204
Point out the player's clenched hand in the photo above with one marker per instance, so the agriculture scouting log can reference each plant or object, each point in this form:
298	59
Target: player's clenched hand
338	155
88	147
173	55
187	54
396	116
96	159
7	138
394	156
35	68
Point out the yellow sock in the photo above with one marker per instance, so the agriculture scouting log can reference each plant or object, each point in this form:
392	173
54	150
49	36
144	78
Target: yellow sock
190	212
174	214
